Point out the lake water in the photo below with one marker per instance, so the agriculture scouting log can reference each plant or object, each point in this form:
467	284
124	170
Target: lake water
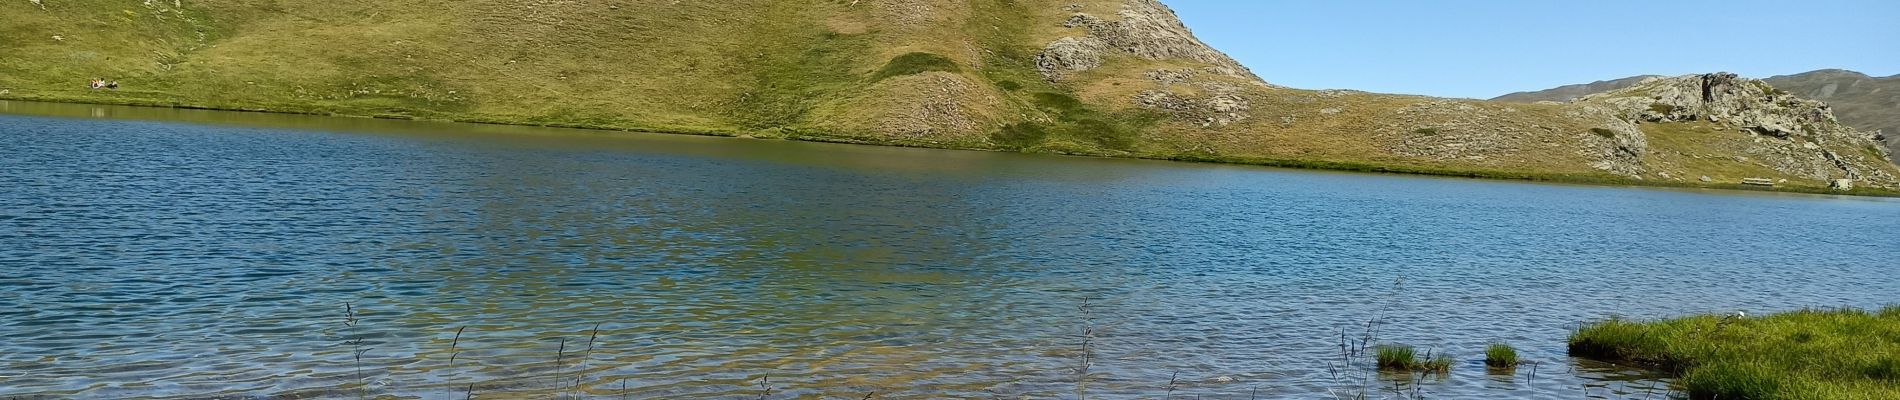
189	254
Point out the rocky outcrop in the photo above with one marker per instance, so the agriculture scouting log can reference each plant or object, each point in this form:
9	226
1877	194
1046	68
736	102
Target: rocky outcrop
1147	29
1796	136
1861	101
1070	54
1726	98
1143	28
1217	105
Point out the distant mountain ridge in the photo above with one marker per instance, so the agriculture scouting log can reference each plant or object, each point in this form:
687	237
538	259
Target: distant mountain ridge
1572	92
1861	101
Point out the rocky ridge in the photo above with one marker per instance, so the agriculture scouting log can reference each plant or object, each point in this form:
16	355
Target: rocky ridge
1858	100
1792	135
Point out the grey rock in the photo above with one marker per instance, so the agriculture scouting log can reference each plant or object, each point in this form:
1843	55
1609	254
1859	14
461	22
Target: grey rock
1070	55
1841	185
1219	104
1171	76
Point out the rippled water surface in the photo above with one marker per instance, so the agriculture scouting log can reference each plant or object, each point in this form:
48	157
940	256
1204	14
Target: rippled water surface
188	254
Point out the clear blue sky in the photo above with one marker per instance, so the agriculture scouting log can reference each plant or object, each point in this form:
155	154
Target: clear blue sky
1486	48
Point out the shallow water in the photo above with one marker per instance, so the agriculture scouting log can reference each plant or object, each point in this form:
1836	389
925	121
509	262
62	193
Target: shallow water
186	254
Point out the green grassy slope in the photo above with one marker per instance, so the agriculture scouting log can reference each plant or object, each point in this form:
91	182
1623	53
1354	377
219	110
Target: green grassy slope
933	73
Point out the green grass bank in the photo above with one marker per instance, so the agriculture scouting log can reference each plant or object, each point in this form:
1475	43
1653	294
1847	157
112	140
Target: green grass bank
1808	354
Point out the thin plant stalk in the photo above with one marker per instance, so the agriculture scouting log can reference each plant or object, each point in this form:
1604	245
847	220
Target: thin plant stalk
356	347
454	351
558	357
589	354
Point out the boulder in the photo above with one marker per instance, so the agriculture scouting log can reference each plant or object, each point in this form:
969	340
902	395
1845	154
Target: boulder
1070	55
1841	185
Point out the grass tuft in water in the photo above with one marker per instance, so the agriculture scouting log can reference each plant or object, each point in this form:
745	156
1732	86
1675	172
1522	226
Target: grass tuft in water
1393	357
1808	354
1435	362
1403	358
1500	355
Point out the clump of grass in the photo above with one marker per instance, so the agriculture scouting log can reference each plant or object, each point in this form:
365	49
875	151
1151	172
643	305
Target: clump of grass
1604	132
1402	358
1809	354
1435	362
1393	357
1500	355
1426	131
1661	108
915	63
1009	85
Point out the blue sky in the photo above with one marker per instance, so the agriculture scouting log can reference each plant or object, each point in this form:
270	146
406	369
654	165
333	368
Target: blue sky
1482	49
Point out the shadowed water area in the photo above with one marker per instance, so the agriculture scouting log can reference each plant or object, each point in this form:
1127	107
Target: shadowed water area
186	254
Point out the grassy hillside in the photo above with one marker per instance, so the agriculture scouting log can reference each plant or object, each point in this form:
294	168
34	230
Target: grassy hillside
1096	77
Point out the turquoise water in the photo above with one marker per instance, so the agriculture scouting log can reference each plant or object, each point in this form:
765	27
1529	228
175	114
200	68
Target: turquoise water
189	254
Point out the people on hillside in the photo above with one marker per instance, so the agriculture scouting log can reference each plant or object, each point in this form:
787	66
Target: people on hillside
101	83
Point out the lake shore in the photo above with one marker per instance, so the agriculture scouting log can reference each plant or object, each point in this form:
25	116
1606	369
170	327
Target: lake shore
240	237
1806	354
1600	179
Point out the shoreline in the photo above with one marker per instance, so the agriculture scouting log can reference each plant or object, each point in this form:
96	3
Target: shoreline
1734	355
1317	165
